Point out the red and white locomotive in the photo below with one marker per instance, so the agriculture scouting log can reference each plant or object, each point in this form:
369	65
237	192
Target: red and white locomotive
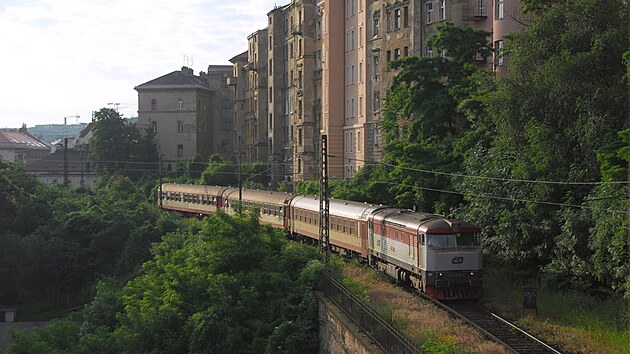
439	256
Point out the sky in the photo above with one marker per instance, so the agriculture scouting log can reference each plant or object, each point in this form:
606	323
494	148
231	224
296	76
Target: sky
65	58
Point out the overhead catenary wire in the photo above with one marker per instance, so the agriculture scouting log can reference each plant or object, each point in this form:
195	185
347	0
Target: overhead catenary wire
452	174
403	184
505	198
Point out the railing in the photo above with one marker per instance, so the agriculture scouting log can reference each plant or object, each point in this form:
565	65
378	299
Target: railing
381	331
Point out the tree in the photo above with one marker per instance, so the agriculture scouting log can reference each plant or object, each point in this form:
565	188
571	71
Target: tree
561	102
423	118
117	146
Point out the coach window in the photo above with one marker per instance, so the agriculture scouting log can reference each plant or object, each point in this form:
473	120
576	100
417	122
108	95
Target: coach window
422	239
345	226
396	234
352	227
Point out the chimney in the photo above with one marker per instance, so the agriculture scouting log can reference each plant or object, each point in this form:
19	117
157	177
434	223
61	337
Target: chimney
187	71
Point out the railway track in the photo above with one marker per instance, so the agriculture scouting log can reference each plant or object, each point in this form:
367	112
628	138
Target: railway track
495	327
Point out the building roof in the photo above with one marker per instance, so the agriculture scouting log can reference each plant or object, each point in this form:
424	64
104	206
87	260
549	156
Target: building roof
24	139
184	78
219	68
55	162
239	57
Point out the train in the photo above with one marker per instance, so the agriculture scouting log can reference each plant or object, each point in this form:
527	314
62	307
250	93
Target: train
439	256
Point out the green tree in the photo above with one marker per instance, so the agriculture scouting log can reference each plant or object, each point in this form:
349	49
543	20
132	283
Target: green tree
118	147
423	118
563	100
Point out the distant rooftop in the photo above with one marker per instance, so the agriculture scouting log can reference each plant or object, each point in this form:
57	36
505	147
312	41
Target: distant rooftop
18	137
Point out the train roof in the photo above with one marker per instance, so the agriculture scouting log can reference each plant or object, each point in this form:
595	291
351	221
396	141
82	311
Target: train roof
193	189
260	196
338	207
423	222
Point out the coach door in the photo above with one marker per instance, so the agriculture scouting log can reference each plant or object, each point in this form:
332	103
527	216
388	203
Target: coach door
370	233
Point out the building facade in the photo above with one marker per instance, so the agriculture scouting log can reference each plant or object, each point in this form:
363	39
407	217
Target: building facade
190	114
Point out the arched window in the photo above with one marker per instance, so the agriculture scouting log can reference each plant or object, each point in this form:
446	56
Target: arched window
154	104
180	104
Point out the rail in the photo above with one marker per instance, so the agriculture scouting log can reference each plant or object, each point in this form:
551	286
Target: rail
380	330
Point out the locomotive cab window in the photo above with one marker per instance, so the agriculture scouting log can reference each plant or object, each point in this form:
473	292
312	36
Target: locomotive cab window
441	241
468	240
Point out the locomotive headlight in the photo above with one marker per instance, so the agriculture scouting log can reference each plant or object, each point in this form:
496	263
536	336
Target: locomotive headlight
429	274
472	274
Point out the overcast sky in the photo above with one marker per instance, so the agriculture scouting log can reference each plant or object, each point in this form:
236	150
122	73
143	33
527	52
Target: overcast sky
61	58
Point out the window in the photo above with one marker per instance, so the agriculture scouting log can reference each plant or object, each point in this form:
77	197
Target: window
406	51
498	45
360	72
359	141
154	104
375	23
429	9
180	126
154	126
299	48
397	19
442	10
376	68
360	36
377	99
226	104
389	56
396	53
352	108
180	150
299	166
352	40
352	74
388	14
270	42
270	67
499	15
270	120
347	41
291	49
406	16
300	136
225	145
180	104
360	110
225	124
429	52
270	94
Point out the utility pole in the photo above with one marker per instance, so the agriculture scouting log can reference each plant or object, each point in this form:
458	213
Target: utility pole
240	186
160	176
324	201
65	162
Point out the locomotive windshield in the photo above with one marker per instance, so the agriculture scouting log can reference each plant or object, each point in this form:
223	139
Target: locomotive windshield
453	240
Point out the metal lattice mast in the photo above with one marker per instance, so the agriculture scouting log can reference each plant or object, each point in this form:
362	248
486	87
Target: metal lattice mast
324	201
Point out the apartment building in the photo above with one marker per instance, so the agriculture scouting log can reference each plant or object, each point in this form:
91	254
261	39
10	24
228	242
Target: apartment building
506	18
293	138
190	114
327	73
238	83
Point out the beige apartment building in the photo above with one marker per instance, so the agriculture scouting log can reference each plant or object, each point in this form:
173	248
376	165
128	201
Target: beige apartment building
238	83
190	114
326	67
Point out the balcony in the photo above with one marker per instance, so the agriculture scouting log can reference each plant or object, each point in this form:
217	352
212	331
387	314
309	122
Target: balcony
477	12
296	30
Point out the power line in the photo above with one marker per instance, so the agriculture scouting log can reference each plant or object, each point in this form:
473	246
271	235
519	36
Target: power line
485	177
505	198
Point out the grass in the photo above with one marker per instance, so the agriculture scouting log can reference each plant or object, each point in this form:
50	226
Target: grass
576	323
417	319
